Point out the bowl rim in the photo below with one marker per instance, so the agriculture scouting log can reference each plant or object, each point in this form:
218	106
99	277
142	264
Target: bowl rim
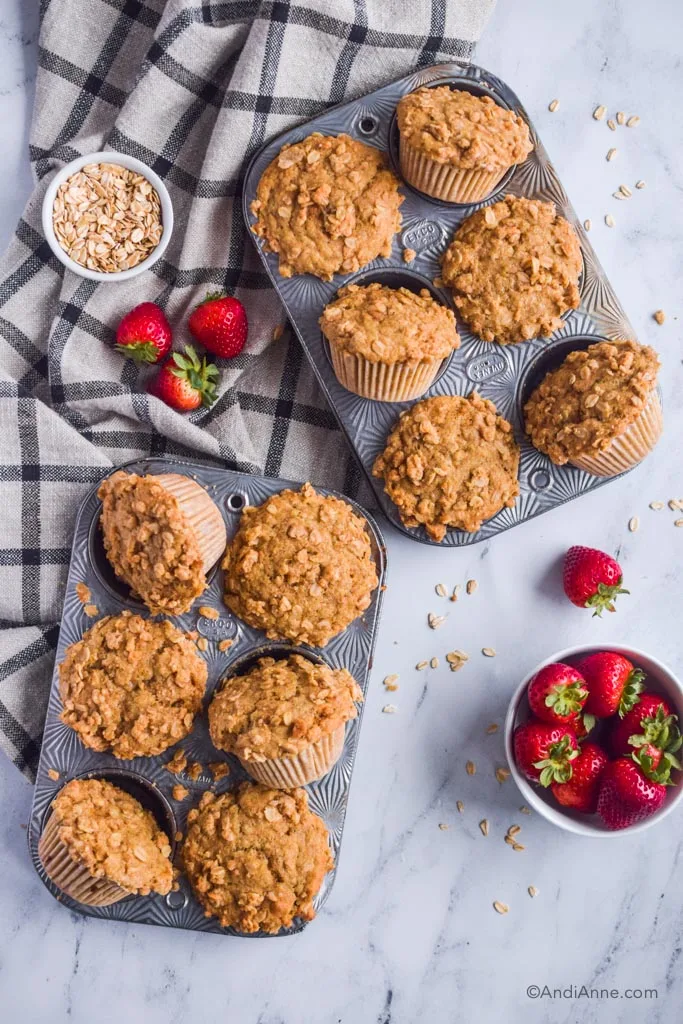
133	164
528	791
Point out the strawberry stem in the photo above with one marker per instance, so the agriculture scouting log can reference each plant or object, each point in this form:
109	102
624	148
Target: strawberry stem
605	597
557	767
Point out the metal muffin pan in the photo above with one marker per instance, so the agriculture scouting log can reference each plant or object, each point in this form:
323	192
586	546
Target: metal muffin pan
499	372
146	778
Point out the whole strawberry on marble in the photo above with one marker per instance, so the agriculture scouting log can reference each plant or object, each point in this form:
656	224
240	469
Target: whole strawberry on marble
592	579
219	323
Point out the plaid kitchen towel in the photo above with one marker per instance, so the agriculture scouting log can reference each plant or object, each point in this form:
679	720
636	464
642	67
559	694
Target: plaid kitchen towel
191	87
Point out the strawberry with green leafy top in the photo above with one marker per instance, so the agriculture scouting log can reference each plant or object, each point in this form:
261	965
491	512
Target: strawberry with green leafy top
185	381
581	792
630	792
543	752
592	579
557	694
144	334
613	683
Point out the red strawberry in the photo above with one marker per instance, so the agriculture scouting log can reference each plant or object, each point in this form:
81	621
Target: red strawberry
219	323
651	721
545	752
581	792
185	381
627	795
592	579
557	694
613	683
144	334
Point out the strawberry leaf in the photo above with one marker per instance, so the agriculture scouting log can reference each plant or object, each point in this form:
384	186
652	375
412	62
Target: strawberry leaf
632	689
605	597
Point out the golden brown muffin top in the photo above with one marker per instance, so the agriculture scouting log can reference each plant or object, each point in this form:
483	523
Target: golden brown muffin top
579	408
389	325
280	707
256	857
327	204
454	127
113	836
131	685
450	461
300	567
514	269
150	543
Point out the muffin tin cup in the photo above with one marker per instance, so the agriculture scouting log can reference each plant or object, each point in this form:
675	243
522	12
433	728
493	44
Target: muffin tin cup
443	181
229	646
201	514
298	770
383	382
72	877
629	448
498	372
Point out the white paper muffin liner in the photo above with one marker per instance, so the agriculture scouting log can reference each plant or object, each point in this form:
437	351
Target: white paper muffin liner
629	448
70	875
312	763
443	181
383	382
202	515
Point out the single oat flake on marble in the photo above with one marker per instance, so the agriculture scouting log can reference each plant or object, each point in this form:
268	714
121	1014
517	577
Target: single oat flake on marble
500	908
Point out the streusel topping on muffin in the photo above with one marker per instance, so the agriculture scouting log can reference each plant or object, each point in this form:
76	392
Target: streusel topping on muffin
131	685
454	127
590	399
389	325
149	543
327	204
256	857
300	567
280	707
113	836
514	269
450	461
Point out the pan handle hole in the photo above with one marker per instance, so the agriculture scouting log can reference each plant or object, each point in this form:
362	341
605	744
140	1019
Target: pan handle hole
236	502
367	125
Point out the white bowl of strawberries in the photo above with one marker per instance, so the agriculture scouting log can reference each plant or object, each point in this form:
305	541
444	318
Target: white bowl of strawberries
592	740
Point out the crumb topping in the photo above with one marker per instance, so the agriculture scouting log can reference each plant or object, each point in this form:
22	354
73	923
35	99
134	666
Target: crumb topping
256	857
300	567
280	707
454	127
590	399
327	204
149	542
514	269
450	461
389	325
131	686
112	834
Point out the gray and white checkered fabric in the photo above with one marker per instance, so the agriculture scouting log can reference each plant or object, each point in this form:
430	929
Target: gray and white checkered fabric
192	88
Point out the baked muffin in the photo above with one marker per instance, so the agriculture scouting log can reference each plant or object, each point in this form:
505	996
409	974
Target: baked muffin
514	269
450	461
100	845
387	343
455	146
327	205
131	686
285	719
256	857
161	534
600	409
300	567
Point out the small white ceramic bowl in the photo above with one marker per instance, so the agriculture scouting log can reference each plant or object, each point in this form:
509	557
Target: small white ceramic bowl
658	678
133	165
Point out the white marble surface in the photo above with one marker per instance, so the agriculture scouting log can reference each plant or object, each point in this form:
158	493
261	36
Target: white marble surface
409	934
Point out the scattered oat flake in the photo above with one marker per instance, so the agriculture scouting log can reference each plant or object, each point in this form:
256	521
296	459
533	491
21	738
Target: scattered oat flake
514	830
180	792
278	332
611	153
599	112
389	709
553	105
409	255
484	826
502	774
91	610
640	184
611	125
621	117
488	652
202	644
674	504
53	774
389	681
678	522
434	621
225	645
471	768
178	837
625	191
456	592
656	505
633	523
208	612
660	316
518	847
194	771
587	224
219	769
618	195
441	590
493	727
533	891
434	663
471	586
633	121
500	908
443	826
609	220
524	809
460	805
421	665
508	840
83	592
